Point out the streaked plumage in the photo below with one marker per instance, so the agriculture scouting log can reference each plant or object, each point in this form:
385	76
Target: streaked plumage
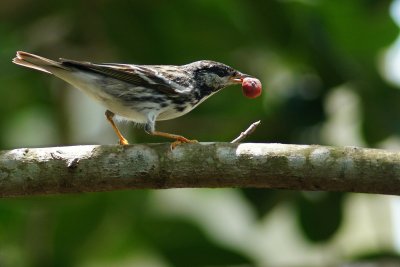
140	93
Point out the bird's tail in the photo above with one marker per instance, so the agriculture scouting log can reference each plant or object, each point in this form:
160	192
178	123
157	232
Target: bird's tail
36	62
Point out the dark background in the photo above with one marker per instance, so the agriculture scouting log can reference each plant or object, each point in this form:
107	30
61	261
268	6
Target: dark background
321	65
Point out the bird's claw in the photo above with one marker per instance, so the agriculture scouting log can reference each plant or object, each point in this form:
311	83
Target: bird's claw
180	141
123	142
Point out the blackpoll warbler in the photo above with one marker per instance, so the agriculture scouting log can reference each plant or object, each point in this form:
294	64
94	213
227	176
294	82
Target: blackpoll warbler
141	93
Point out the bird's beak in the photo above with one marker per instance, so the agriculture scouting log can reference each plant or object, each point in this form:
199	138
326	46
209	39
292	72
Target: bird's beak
239	77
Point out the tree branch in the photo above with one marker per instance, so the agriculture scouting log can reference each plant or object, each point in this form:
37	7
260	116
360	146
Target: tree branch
104	168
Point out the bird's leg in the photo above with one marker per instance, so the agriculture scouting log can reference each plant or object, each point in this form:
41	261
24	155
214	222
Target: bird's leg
109	116
150	129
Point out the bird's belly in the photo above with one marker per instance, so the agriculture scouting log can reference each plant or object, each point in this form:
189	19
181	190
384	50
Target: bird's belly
126	112
131	113
92	86
172	113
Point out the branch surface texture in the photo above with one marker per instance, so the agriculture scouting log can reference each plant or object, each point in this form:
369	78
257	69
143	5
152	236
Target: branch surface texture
54	170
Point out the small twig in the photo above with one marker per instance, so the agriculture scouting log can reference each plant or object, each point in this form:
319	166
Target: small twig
246	133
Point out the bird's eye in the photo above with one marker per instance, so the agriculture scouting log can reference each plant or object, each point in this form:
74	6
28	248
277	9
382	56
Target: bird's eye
221	72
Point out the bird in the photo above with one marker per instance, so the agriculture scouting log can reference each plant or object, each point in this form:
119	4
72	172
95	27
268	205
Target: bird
143	94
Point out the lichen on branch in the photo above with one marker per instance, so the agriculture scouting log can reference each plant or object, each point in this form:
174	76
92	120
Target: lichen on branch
55	170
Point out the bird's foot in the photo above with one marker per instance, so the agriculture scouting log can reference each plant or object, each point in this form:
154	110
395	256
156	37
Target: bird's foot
182	140
123	142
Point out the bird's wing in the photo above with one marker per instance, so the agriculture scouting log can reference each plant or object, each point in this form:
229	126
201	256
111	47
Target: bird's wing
136	75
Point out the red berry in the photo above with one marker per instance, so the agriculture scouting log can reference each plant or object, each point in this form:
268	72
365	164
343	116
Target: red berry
251	87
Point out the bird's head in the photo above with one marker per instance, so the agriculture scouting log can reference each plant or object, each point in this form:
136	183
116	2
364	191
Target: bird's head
215	75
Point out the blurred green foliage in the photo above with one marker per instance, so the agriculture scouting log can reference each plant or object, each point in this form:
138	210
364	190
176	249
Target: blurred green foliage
301	51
